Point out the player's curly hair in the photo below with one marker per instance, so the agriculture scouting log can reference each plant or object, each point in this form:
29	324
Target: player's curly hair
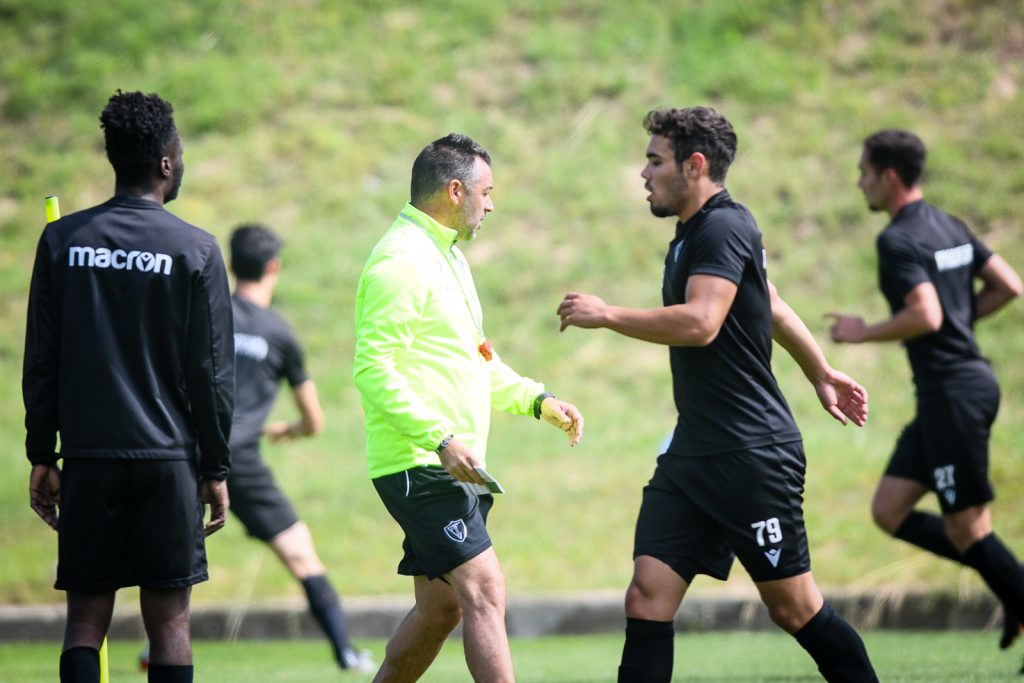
138	130
696	129
899	150
452	157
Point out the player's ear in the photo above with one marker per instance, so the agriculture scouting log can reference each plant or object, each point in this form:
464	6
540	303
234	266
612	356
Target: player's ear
273	266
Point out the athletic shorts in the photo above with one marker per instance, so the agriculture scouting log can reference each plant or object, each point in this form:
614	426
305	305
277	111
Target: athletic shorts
945	448
445	525
129	523
256	499
698	513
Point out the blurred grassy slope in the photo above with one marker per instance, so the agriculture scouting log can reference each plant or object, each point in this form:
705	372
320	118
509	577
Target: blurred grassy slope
308	117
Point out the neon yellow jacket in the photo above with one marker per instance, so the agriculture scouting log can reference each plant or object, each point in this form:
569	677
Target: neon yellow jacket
417	367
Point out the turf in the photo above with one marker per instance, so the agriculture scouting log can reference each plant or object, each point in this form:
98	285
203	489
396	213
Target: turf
958	656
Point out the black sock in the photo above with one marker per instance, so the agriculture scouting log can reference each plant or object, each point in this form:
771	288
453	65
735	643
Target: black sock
647	654
326	609
170	673
80	665
926	530
1000	570
836	648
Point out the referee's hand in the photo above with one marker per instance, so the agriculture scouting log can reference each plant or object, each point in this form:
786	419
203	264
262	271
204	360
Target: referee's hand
215	494
461	462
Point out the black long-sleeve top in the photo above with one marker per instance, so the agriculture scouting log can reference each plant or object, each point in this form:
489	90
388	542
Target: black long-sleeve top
129	349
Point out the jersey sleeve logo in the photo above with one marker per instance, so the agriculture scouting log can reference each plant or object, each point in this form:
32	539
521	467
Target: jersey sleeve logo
955	257
251	346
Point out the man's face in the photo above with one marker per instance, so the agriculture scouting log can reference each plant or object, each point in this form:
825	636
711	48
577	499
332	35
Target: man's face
176	154
477	203
873	184
664	179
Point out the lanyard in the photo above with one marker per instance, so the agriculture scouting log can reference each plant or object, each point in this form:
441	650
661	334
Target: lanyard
475	314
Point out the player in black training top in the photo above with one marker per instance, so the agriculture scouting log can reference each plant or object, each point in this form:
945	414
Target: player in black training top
129	358
928	262
731	483
267	352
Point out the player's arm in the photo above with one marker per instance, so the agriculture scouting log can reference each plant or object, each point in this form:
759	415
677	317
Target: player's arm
1000	285
921	314
840	395
694	323
40	376
210	373
311	415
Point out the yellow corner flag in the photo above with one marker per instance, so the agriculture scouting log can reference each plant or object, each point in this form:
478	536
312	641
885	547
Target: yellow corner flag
52	214
52	208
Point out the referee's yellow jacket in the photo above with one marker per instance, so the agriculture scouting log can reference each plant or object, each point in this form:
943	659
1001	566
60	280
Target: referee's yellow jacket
418	367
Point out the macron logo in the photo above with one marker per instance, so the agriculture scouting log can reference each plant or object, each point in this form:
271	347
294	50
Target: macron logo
119	259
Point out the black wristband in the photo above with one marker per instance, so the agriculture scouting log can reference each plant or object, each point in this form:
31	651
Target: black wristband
537	401
444	443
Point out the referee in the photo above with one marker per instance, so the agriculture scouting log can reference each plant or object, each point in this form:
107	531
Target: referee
428	378
129	358
731	482
928	263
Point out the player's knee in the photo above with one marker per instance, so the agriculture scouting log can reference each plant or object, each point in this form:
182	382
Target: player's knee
790	616
643	601
885	517
442	615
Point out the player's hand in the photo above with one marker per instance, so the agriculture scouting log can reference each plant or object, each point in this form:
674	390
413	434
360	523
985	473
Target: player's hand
460	461
843	398
582	310
847	329
44	492
215	494
563	415
278	432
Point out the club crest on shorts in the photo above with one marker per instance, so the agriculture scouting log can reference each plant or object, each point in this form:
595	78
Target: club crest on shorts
456	530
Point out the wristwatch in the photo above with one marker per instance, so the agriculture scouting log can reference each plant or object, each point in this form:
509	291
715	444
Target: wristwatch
444	443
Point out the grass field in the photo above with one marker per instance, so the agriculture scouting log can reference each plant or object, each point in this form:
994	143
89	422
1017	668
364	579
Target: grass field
307	115
956	657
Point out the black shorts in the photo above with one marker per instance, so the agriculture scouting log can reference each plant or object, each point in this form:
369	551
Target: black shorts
129	523
945	448
698	513
445	525
256	499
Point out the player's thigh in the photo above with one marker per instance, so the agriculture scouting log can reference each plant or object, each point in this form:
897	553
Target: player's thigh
956	426
759	504
167	527
673	526
259	503
93	545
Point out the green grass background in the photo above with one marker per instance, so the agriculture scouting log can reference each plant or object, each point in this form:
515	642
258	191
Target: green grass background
963	657
307	115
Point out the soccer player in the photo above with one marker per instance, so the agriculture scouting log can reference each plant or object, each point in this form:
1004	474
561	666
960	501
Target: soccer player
731	482
129	358
928	262
428	378
267	352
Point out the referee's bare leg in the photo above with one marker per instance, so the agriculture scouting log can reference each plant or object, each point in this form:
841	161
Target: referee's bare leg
476	593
